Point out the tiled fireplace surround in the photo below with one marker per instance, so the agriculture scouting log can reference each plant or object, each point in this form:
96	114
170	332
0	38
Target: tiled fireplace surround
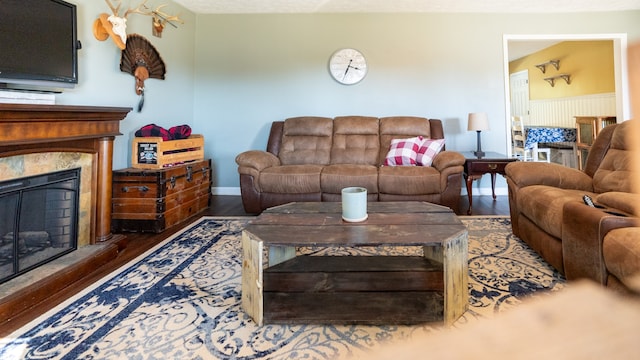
37	139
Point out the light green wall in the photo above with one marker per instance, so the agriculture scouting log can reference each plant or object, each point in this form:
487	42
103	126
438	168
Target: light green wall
255	69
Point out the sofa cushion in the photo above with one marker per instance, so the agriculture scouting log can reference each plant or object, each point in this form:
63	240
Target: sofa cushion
401	127
408	180
543	205
336	177
624	201
621	252
403	152
428	150
291	179
306	140
355	140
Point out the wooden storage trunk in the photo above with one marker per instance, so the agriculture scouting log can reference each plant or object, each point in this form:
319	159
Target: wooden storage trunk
154	200
155	153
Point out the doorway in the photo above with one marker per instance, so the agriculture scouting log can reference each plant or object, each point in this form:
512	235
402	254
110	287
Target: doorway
516	42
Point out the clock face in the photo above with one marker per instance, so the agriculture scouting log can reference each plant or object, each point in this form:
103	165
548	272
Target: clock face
348	66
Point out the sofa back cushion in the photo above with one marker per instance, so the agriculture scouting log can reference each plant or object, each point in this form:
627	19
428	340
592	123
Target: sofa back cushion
615	170
356	140
400	127
306	140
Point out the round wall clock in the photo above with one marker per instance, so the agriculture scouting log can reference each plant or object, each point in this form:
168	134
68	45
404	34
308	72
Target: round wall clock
348	66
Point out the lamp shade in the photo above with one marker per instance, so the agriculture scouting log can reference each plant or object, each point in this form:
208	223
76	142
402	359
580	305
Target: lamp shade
478	122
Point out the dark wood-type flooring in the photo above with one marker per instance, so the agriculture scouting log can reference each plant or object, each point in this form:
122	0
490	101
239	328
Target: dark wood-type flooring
138	243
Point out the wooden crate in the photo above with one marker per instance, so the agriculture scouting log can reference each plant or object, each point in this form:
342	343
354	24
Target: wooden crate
152	200
156	153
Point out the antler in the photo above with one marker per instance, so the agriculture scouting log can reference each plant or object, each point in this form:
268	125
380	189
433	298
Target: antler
137	10
166	17
114	9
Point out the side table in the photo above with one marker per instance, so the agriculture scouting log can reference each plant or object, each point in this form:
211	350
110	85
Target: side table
491	163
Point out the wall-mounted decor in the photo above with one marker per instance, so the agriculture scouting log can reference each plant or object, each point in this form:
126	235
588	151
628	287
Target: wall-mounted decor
543	66
141	59
115	26
348	66
552	80
160	19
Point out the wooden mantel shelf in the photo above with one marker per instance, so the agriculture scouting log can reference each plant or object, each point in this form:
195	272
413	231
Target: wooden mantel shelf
26	128
29	124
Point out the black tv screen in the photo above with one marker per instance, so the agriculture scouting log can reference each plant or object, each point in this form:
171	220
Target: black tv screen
38	44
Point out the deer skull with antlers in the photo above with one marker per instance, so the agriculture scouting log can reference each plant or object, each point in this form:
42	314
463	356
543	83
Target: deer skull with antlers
115	25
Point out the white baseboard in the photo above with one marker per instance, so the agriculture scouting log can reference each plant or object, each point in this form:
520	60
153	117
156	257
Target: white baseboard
476	191
225	191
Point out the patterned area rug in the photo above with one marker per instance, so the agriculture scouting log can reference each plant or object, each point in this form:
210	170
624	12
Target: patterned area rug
181	300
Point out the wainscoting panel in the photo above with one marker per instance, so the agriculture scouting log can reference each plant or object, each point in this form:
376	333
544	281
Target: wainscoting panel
560	112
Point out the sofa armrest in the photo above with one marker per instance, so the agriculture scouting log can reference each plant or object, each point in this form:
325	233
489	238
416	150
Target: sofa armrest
538	173
447	159
253	161
583	230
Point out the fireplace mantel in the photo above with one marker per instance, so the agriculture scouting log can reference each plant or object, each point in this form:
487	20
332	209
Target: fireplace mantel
26	129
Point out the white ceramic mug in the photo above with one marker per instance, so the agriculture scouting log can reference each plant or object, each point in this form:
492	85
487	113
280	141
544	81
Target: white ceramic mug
354	204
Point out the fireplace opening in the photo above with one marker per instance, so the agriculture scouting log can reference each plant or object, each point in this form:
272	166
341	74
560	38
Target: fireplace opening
38	220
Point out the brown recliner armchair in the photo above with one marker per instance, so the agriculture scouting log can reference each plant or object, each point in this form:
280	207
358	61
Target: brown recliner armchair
547	209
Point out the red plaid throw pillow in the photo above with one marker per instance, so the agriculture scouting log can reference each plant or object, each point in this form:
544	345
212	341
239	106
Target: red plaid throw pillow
153	130
403	151
180	132
429	150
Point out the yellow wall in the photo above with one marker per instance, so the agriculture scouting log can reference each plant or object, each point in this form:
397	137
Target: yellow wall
590	64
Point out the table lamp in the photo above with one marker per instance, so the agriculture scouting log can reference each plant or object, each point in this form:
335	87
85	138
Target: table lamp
478	122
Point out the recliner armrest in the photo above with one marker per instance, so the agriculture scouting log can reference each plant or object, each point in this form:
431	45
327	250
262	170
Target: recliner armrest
537	173
583	230
257	160
446	159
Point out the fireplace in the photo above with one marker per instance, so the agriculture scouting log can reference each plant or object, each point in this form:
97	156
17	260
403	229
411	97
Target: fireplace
38	220
33	137
45	129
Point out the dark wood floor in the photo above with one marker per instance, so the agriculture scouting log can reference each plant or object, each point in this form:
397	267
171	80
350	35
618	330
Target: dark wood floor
138	243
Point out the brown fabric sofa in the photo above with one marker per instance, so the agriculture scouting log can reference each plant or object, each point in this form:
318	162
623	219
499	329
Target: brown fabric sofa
313	158
548	213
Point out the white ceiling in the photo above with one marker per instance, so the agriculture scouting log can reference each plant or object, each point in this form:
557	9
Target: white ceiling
408	6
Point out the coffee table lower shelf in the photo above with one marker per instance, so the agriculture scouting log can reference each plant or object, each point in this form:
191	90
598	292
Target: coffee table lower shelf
371	290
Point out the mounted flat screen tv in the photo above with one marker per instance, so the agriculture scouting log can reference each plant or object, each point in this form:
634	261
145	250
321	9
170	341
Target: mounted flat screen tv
38	45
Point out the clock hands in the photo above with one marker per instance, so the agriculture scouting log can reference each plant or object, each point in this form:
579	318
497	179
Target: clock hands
349	66
347	69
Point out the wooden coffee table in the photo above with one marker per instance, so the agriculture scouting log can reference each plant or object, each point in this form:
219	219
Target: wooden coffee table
377	290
